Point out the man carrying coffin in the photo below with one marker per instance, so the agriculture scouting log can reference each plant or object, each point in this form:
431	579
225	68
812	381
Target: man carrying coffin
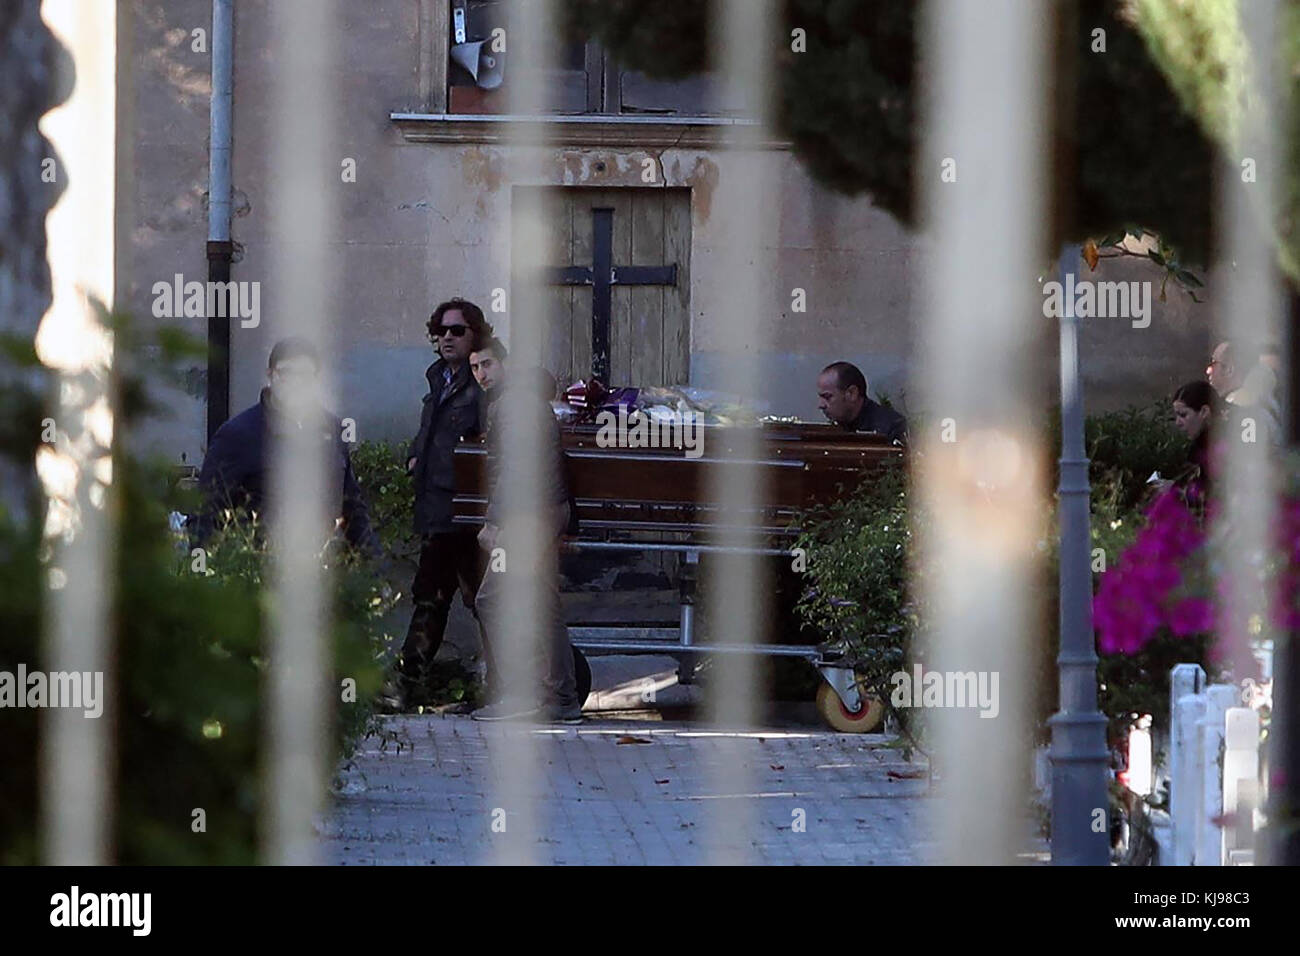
842	397
521	400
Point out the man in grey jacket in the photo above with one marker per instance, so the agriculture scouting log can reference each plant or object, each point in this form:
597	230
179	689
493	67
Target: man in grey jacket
450	559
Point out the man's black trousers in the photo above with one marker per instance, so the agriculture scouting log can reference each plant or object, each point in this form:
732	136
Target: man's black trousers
450	561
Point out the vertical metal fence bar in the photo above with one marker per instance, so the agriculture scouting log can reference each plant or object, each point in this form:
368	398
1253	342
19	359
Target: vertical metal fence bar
983	168
1249	317
305	164
520	628
1242	534
77	474
747	195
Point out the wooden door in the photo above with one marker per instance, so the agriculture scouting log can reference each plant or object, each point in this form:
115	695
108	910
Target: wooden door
648	324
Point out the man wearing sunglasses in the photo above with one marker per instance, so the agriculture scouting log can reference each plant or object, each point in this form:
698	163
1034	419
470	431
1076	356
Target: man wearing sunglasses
450	559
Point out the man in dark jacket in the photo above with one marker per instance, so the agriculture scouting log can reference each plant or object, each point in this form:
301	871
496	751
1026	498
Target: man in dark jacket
450	559
236	469
842	397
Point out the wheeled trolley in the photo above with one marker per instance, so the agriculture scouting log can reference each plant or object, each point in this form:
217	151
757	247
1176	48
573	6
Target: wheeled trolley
631	500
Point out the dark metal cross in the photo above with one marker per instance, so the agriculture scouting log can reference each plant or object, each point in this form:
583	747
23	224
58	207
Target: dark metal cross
602	275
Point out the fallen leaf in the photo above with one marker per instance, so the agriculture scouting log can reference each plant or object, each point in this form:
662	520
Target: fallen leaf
661	781
629	739
905	774
777	766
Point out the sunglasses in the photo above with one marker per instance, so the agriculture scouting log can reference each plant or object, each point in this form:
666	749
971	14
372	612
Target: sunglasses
456	331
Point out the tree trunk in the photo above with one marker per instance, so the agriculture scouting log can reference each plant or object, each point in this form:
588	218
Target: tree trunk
30	183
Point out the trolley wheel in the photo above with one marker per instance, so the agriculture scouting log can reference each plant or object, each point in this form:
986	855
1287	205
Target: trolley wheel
864	720
581	676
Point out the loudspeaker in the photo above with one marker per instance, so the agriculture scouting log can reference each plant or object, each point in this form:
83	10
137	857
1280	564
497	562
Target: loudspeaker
477	59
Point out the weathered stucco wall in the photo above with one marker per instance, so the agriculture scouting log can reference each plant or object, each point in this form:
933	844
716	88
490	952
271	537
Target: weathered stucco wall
426	221
161	209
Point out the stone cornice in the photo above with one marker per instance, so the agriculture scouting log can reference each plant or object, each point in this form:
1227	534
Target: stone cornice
578	130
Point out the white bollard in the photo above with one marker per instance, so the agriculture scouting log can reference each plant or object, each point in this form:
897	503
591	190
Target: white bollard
1219	699
1184	679
1214	770
1184	783
1140	770
1240	773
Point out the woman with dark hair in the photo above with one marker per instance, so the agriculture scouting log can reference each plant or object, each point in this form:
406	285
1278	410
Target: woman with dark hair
1197	408
1142	593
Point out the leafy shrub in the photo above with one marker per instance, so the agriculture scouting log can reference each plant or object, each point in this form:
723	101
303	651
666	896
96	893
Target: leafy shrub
189	674
859	551
390	496
20	623
850	105
1126	446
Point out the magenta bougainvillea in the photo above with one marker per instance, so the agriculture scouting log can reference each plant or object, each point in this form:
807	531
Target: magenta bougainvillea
1166	581
1147	588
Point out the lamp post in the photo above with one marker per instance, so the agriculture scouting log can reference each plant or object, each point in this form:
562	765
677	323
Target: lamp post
1078	755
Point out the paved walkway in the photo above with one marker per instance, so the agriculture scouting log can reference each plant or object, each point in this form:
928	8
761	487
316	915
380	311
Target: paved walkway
619	791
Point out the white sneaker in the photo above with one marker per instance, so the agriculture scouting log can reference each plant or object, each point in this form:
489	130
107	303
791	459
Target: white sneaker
506	710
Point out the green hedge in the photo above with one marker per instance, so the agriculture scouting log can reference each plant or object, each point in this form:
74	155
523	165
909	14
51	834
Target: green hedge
390	496
859	547
189	670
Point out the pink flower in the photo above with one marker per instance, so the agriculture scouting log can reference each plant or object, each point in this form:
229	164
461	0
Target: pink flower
1130	605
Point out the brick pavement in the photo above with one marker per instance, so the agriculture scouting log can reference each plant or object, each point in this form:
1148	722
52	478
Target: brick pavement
599	801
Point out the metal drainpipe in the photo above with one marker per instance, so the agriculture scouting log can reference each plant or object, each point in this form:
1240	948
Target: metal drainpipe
219	245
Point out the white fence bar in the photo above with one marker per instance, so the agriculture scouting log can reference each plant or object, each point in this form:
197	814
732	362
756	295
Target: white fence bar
983	161
520	628
744	205
304	156
1250	317
75	761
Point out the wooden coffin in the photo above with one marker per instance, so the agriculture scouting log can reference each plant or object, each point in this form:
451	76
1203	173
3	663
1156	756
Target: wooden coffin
661	489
